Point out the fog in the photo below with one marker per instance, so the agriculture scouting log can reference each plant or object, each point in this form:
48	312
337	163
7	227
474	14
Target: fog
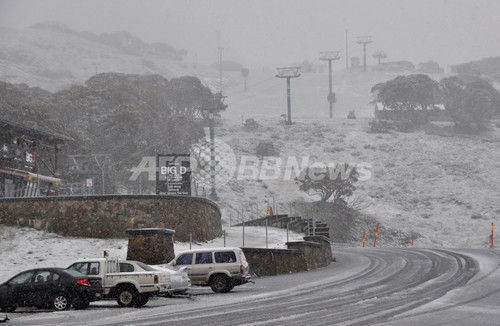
270	33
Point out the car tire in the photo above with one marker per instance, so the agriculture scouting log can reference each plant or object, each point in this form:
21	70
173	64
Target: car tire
127	296
141	300
220	283
60	302
8	308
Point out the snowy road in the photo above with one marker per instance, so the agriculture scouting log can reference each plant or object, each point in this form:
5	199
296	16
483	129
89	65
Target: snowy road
364	286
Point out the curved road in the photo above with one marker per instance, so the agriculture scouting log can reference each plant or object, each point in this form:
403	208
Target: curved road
365	286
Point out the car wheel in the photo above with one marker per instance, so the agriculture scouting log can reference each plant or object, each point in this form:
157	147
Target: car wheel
126	297
60	302
142	299
8	308
220	284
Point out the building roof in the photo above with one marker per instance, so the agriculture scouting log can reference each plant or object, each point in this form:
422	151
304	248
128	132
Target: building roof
34	132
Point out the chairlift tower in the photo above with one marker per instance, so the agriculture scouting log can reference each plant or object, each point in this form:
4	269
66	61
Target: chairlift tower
330	56
215	103
364	40
288	73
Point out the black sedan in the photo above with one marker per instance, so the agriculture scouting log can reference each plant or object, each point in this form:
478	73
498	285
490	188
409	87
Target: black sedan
55	288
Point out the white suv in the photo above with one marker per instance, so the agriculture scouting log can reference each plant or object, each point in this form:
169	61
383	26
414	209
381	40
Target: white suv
220	268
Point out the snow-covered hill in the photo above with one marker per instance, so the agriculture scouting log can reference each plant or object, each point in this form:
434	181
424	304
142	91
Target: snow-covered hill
54	57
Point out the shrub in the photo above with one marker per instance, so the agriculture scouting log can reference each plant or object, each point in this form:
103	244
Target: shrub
380	126
266	148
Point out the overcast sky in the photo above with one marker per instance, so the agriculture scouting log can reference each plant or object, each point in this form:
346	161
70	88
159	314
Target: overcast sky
274	33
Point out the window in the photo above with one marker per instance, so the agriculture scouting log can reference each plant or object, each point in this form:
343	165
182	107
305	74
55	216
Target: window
55	277
186	259
42	276
22	278
94	268
204	258
225	257
80	267
126	268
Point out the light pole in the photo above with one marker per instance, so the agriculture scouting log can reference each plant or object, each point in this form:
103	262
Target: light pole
288	72
364	40
330	56
217	98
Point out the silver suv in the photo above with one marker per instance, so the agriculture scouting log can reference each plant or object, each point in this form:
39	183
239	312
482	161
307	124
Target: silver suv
220	268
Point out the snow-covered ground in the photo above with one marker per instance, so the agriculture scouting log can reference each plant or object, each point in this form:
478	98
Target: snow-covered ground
25	248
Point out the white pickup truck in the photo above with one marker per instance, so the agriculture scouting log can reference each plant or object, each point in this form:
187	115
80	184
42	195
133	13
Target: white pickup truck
129	282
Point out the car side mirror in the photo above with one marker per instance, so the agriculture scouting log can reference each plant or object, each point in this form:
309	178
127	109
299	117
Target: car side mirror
173	263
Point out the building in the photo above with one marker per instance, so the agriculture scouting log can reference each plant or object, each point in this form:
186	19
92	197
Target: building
29	160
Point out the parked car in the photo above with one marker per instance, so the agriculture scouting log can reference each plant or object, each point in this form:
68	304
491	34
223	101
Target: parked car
55	288
179	278
131	283
220	268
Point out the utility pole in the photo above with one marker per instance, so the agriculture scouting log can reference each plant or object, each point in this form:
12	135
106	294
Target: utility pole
346	50
330	56
219	58
288	72
364	40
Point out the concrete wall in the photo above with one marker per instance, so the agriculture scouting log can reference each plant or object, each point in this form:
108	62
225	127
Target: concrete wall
110	216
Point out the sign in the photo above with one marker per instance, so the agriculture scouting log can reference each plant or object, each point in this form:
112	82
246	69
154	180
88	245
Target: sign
17	156
269	211
174	175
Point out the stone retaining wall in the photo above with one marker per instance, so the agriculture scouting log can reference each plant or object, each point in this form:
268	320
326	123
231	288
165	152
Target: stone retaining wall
313	253
268	262
111	216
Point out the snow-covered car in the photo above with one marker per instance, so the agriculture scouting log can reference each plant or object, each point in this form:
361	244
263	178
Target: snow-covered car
179	279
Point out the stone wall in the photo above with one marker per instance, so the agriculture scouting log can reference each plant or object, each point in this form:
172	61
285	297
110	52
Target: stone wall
268	262
313	253
111	216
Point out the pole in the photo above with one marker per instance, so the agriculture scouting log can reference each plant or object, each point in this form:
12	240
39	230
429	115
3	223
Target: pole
364	238
412	238
346	50
491	242
267	222
288	73
364	40
364	57
190	240
213	194
376	234
330	56
288	100
224	238
330	84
